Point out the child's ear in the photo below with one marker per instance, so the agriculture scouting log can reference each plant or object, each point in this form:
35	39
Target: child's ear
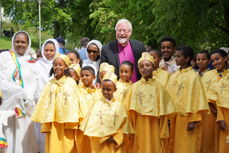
94	77
187	59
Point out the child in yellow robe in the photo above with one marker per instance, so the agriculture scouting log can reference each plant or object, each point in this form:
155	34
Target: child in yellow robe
149	105
218	94
188	94
74	70
208	119
124	83
88	95
159	74
106	122
58	109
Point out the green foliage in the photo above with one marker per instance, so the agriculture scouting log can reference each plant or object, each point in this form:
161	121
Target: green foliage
202	24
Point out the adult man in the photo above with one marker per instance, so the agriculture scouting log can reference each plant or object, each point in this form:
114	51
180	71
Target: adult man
62	49
83	51
168	47
123	49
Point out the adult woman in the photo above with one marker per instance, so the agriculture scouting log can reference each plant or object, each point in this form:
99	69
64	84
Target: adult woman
93	52
18	86
49	50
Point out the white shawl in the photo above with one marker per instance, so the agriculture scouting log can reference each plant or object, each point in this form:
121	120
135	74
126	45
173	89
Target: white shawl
44	66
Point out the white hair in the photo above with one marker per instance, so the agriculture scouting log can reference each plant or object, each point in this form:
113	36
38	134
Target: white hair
122	21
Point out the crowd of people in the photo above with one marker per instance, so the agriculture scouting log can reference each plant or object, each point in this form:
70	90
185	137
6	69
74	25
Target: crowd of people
114	98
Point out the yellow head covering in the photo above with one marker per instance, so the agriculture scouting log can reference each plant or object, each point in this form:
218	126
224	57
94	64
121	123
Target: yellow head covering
0	94
76	67
146	56
106	67
65	58
110	76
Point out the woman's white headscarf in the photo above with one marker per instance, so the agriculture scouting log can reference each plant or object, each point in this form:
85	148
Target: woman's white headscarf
44	66
97	43
94	63
29	42
56	50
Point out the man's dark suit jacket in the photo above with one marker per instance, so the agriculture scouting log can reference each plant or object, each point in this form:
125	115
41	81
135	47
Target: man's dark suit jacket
110	54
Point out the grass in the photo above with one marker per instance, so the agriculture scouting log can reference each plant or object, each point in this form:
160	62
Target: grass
5	43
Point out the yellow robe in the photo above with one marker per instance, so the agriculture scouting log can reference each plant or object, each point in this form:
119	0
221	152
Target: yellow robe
190	100
149	105
220	94
161	76
122	90
208	138
107	119
87	99
58	112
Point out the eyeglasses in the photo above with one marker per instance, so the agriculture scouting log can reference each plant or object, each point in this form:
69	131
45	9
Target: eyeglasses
92	51
124	30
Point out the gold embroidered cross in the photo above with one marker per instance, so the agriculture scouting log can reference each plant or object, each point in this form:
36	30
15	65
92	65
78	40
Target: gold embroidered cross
139	96
115	116
100	115
180	88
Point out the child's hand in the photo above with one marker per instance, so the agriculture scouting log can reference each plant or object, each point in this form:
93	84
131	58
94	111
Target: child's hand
213	108
192	125
98	85
111	140
222	125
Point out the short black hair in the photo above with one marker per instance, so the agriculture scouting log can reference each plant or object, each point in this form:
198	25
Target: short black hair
156	51
129	64
206	52
77	55
170	39
84	41
108	80
186	52
220	52
89	68
60	40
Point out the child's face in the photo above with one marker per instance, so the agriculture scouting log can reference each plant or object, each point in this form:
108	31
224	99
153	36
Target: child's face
180	59
59	67
146	69
218	61
108	88
125	72
87	78
157	59
101	75
202	61
49	51
93	52
74	75
73	58
167	49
